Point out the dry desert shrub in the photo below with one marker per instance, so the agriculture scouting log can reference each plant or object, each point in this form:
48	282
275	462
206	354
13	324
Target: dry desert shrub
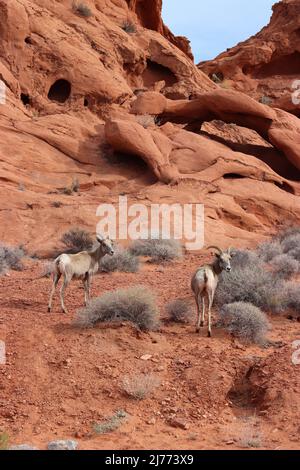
159	250
129	27
140	386
285	266
76	240
82	9
122	261
269	250
11	257
295	253
291	243
111	424
179	311
135	304
245	321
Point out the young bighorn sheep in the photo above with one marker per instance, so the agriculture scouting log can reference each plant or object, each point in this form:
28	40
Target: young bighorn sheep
205	281
79	266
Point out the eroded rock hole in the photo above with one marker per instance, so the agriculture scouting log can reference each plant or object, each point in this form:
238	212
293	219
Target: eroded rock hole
86	102
60	91
155	72
233	176
285	65
245	395
285	187
25	99
28	40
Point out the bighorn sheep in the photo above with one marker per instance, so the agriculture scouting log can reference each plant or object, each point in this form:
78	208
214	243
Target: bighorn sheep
205	281
79	266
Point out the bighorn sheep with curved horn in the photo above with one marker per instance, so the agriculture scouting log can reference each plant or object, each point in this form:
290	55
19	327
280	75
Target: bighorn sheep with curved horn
205	281
79	266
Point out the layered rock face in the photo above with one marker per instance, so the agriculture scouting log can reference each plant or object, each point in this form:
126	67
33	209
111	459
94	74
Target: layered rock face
106	96
267	65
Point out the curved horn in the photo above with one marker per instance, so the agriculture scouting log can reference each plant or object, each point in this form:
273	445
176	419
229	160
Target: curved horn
99	237
215	248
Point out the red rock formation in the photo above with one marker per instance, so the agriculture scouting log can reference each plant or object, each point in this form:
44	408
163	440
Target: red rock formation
71	82
266	65
149	15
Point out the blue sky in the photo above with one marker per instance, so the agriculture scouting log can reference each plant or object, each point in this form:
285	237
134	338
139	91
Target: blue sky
214	25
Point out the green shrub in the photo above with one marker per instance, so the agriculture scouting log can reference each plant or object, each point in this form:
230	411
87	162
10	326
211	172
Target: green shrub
135	304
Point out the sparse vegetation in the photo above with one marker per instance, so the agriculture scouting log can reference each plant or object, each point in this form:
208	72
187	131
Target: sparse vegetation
82	9
56	204
285	266
295	253
73	188
269	250
4	440
122	261
266	100
76	240
291	243
140	386
159	250
250	436
250	283
47	270
129	27
11	258
146	120
245	321
179	311
110	424
135	304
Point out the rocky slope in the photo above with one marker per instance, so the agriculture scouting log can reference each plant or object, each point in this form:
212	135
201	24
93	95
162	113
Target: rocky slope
266	65
80	84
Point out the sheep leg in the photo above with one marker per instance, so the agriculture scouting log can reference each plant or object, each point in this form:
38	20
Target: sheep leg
56	278
62	291
86	289
210	302
198	314
203	311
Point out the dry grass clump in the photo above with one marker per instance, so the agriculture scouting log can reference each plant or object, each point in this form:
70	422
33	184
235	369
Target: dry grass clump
11	258
145	120
295	253
135	304
179	311
76	240
140	386
122	261
245	321
159	250
129	27
47	270
250	435
82	9
111	424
